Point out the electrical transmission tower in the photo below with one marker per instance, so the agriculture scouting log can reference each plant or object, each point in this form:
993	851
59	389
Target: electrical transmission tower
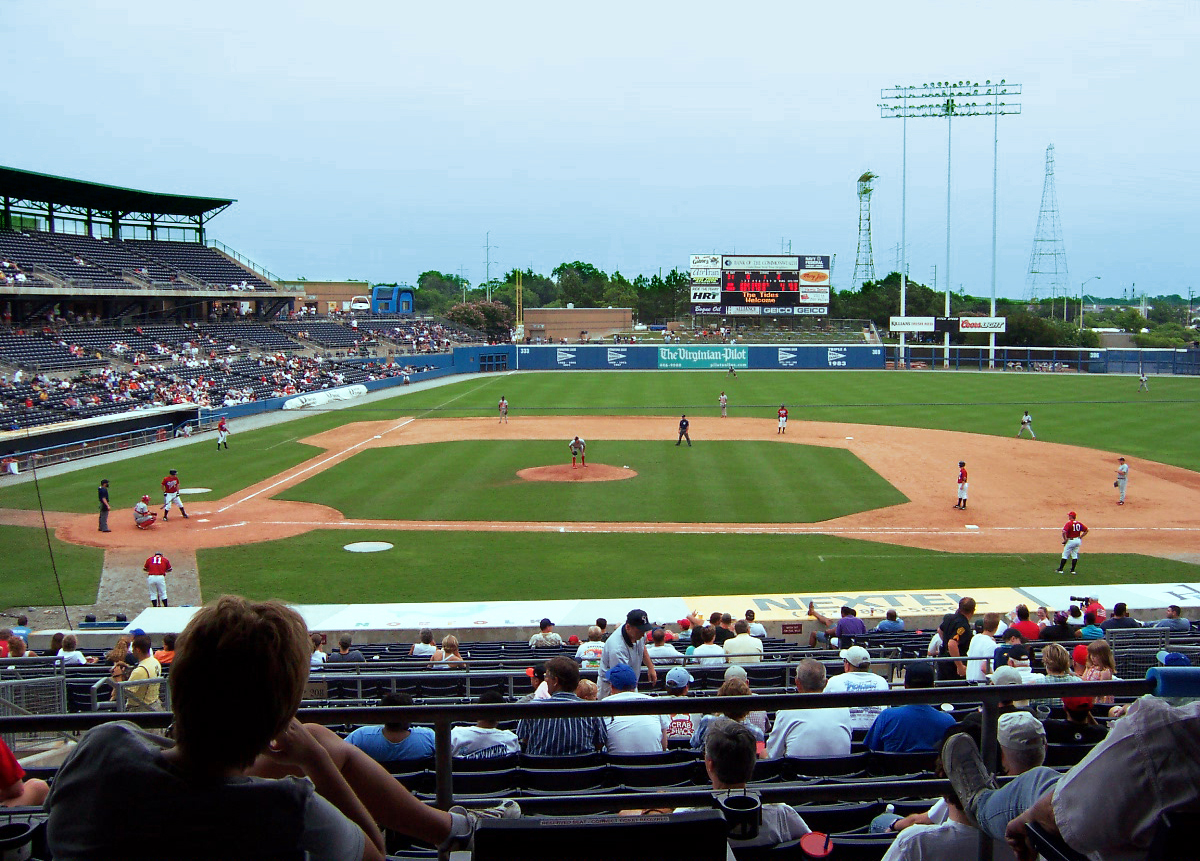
864	263
1048	262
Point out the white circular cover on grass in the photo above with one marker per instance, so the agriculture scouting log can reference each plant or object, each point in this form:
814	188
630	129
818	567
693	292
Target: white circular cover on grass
368	546
186	490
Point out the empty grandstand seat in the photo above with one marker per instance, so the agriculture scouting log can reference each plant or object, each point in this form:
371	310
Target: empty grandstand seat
836	818
585	760
462	764
797	768
883	762
655	758
654	774
564	780
503	780
861	847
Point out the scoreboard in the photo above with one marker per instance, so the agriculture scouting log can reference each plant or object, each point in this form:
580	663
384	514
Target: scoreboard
760	284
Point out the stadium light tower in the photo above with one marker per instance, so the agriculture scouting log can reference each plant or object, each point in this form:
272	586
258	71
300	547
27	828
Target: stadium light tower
945	99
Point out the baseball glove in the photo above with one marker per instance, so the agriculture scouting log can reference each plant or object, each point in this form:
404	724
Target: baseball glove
1116	484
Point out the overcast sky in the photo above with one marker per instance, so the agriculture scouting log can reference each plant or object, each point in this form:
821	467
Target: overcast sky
377	140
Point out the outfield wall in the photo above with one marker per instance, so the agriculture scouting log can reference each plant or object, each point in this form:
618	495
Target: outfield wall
1184	362
644	357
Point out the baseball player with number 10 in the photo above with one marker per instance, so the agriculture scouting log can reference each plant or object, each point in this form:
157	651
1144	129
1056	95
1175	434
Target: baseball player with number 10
1072	537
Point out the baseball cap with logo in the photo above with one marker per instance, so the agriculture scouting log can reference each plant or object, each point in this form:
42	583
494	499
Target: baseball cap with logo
1006	676
856	656
1020	731
678	677
623	676
1173	659
639	620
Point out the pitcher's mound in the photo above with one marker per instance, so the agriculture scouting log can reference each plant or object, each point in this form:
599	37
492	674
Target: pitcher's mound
592	472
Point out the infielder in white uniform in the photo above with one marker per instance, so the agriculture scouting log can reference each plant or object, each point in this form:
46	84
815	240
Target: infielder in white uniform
1122	477
1026	425
577	447
724	402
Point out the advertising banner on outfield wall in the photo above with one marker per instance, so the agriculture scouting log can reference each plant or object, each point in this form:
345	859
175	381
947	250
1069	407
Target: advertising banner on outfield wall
982	324
590	357
703	357
912	324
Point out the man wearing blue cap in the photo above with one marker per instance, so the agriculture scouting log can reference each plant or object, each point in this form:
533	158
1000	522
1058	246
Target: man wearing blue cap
627	646
633	733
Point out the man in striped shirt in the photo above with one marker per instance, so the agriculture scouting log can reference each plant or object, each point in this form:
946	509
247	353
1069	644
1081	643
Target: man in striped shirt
561	736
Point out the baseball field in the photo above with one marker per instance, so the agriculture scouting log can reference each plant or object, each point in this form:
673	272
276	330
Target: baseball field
857	495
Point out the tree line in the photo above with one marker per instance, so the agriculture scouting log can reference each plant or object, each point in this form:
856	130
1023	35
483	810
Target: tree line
660	298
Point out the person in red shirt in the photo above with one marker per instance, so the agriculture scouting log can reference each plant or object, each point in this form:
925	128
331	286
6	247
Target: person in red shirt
1024	625
782	419
170	486
15	791
1072	538
157	567
962	486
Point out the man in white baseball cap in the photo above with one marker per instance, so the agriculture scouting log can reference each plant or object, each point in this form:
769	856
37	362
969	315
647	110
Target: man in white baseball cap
857	676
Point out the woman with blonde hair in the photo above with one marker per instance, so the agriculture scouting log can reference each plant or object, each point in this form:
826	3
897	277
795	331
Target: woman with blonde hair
447	654
734	687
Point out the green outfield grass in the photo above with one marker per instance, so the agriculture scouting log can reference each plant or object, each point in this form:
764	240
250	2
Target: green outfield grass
710	482
27	577
474	566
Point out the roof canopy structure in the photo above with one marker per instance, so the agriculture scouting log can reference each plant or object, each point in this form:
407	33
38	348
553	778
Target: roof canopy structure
56	200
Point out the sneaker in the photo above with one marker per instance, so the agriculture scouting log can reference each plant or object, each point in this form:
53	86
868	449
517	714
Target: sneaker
1122	502
968	775
507	809
185	517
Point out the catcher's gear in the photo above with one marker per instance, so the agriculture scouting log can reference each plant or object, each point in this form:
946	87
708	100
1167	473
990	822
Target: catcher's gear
145	499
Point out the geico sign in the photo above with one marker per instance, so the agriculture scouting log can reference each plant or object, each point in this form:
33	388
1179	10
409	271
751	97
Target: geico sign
981	324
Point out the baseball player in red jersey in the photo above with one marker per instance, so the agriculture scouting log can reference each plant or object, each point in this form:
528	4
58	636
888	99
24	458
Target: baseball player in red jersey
782	419
962	485
222	434
170	486
1072	536
157	568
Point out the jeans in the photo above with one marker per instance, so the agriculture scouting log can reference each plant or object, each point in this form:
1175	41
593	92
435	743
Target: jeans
998	807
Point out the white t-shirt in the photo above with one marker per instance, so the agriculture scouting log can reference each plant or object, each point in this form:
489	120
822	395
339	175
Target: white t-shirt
664	654
477	742
423	650
635	733
861	717
588	654
709	654
757	630
982	646
810	733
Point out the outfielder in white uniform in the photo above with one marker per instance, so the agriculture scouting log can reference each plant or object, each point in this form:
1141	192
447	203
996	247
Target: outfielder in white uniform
1143	383
1026	425
577	447
1122	478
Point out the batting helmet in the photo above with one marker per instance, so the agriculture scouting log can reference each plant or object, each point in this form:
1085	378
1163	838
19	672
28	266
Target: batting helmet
174	472
145	499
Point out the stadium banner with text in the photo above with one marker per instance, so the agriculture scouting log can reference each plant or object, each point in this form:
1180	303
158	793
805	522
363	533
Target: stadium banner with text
982	324
703	357
761	262
642	357
810	357
911	324
706	294
870	606
706	269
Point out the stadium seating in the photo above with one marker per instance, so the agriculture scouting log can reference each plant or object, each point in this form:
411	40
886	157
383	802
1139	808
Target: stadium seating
200	262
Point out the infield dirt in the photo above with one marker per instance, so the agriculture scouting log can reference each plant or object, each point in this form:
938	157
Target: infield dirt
1020	492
